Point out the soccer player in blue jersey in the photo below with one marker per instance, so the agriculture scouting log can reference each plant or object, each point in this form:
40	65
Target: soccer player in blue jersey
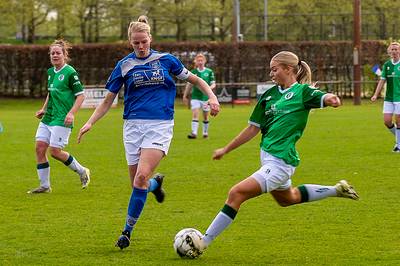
280	116
148	114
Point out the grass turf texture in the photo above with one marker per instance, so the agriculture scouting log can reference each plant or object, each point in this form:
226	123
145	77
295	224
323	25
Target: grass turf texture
79	227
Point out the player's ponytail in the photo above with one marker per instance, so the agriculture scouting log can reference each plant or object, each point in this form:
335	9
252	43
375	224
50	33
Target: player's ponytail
303	73
143	19
301	68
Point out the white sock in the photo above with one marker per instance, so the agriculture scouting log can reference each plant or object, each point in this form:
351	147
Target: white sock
392	129
195	127
398	137
223	219
311	192
74	165
205	127
43	171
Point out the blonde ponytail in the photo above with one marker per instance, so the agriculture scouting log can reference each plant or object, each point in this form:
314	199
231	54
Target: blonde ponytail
301	68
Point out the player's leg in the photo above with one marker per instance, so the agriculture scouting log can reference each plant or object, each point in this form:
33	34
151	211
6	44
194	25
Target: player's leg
206	122
43	169
59	139
149	160
195	106
273	174
397	122
145	145
154	184
239	193
43	166
312	192
72	163
388	121
388	111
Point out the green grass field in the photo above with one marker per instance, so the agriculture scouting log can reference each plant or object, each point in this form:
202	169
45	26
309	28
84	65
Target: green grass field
74	227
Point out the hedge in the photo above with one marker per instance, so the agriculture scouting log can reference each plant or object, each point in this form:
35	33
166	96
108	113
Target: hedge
23	68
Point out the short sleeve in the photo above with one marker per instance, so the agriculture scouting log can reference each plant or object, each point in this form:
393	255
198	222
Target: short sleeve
115	81
313	97
212	77
384	74
178	69
258	117
75	83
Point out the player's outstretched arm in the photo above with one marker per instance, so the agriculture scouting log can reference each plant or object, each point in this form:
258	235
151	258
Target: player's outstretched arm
100	111
247	134
203	86
332	100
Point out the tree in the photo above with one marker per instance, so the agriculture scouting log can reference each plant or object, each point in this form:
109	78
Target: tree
90	14
7	18
31	14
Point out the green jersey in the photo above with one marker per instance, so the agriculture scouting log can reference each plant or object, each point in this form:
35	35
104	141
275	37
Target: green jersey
63	85
208	76
282	117
391	72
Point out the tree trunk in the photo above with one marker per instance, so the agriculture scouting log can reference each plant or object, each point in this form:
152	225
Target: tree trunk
31	28
97	22
60	24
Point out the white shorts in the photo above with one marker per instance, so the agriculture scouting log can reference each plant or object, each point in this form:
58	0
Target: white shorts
146	134
274	173
196	104
55	136
391	108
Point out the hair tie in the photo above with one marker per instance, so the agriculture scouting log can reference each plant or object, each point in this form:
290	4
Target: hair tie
299	63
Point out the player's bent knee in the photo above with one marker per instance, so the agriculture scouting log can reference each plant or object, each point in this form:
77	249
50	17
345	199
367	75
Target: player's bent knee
141	179
55	153
235	197
284	203
388	124
41	150
41	147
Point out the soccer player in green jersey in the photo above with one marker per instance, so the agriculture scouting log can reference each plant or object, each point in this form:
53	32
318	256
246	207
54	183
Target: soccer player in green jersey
199	100
281	116
62	102
391	105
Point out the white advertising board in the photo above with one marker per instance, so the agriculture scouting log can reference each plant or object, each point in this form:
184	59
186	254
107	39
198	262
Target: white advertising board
94	96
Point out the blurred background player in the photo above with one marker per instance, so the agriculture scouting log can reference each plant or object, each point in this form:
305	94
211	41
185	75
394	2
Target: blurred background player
58	113
148	115
281	116
199	100
391	105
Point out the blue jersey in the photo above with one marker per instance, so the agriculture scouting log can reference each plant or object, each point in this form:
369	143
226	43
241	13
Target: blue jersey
149	89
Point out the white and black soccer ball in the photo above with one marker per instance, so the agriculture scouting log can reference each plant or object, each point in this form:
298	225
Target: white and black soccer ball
187	243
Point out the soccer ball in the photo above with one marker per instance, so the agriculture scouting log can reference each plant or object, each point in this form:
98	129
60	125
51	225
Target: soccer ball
187	243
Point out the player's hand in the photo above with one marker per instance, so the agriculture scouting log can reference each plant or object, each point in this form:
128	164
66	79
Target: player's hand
69	119
214	106
86	127
39	114
332	100
335	101
218	154
373	98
